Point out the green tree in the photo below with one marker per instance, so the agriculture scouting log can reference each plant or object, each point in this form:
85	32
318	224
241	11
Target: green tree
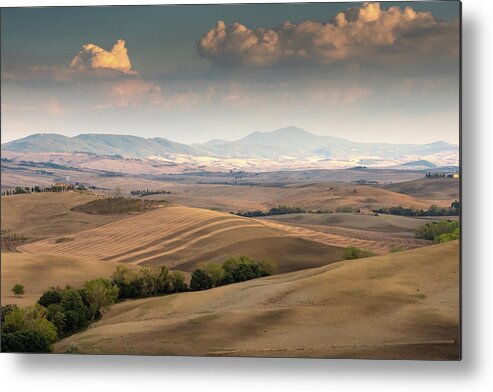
177	281
100	294
201	280
18	289
28	330
267	267
216	272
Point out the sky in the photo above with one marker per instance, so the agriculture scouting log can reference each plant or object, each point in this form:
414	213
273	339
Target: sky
369	72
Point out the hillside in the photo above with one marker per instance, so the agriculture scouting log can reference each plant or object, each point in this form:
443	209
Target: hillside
279	144
323	195
398	306
182	236
40	272
41	215
428	188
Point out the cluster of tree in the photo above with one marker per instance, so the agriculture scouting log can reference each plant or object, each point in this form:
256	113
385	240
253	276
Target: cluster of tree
434	210
57	314
440	175
439	232
27	330
233	270
13	237
110	206
280	210
19	190
148	192
61	312
147	282
346	209
352	252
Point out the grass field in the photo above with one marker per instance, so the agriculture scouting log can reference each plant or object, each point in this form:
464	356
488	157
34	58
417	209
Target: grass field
308	196
41	215
428	188
397	306
39	272
394	224
176	236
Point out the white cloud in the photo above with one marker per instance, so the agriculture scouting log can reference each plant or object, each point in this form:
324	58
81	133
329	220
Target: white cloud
360	33
94	57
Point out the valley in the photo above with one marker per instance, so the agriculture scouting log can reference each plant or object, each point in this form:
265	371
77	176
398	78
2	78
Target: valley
348	282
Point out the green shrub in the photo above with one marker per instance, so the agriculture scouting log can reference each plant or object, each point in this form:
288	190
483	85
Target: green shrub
18	289
216	272
28	330
431	230
100	293
455	235
201	280
352	252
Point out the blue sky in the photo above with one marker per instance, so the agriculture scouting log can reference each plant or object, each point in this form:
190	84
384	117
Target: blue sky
378	74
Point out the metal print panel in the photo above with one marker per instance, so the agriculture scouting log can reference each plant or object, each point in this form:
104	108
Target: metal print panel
269	180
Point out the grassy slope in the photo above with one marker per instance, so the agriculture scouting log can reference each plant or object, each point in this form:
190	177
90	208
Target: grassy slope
428	188
307	196
41	215
39	272
180	235
383	223
402	305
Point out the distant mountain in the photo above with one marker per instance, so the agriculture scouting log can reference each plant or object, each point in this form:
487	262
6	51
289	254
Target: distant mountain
298	143
100	144
285	143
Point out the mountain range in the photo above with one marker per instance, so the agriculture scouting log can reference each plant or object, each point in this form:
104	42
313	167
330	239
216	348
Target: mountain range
290	142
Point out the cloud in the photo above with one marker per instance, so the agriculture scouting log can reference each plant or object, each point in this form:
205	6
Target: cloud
365	33
132	92
94	57
139	92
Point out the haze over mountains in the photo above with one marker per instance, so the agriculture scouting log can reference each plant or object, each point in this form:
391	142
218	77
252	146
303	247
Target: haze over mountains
285	143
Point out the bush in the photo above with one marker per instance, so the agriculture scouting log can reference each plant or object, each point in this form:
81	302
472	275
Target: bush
430	231
7	309
177	282
244	268
352	252
28	330
201	280
216	272
100	293
68	309
267	267
18	289
25	341
455	235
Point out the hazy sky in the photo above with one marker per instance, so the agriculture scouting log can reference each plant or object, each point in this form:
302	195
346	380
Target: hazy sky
385	72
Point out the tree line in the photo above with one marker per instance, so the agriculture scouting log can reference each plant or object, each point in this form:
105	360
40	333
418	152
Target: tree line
59	313
453	210
280	210
439	232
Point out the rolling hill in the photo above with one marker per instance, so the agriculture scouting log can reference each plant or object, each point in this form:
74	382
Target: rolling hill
428	188
41	215
398	306
289	142
40	272
180	237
